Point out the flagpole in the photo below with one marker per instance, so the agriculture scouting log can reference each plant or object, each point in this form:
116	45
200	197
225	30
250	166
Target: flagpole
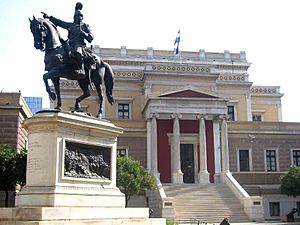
180	57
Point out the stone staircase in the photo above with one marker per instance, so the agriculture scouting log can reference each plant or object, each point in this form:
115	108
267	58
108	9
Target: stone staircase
209	203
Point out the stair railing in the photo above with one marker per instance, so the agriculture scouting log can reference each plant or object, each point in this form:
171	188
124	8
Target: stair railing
253	205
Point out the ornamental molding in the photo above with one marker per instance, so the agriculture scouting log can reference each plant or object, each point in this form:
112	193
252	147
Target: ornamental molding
265	90
125	63
233	78
231	67
128	75
178	68
68	84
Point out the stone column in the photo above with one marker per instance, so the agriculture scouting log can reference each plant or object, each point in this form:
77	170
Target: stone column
154	165
248	105
177	175
217	149
149	144
224	145
279	108
203	174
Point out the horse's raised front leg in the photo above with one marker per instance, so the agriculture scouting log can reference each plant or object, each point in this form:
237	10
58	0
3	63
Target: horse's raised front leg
51	94
52	74
56	84
84	85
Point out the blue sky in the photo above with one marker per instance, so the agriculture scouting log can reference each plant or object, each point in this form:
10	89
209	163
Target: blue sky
267	30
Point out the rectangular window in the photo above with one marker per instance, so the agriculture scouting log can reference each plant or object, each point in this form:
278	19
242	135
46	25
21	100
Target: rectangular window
123	111
296	157
256	118
123	152
274	208
230	112
271	162
244	160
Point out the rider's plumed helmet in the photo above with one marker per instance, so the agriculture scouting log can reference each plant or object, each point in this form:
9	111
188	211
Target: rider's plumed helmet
78	6
78	16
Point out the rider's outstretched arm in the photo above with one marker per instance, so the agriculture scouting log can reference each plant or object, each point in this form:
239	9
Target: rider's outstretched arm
56	21
60	23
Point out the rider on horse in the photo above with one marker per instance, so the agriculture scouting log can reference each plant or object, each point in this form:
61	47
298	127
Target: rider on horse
78	32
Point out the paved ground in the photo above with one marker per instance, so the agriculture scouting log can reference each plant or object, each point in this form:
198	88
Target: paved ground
267	223
252	223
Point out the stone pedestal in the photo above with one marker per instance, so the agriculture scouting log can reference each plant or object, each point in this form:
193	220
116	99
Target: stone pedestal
62	149
71	174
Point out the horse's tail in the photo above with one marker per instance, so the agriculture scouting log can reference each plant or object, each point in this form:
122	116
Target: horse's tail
109	82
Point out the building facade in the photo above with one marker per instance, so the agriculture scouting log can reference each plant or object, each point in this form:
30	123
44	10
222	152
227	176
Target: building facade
13	111
198	119
35	103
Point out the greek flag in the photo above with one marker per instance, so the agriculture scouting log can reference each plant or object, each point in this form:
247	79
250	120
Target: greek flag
176	44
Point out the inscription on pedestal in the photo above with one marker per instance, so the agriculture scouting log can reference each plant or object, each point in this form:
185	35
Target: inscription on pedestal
87	161
34	162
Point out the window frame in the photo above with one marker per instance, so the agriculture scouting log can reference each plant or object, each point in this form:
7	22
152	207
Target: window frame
260	112
271	212
125	148
234	112
250	159
257	114
276	159
292	156
129	110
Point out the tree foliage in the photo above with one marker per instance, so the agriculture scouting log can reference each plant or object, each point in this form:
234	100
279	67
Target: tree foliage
290	182
132	178
12	169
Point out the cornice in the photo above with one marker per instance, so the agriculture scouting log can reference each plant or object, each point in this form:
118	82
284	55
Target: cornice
233	78
68	84
178	68
129	75
265	91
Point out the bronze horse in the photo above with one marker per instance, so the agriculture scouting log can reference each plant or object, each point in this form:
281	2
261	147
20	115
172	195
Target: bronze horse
57	64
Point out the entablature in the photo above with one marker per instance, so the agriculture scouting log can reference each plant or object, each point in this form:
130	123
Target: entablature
187	106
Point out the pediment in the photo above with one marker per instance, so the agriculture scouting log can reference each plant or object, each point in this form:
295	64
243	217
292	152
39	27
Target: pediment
188	93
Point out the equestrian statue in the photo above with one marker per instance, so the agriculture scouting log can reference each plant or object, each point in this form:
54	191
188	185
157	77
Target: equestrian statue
71	59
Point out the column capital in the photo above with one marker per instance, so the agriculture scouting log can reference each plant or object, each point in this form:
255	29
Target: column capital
223	117
200	116
174	115
153	115
216	117
204	116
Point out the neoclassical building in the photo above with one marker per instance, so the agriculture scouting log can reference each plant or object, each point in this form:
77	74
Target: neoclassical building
198	123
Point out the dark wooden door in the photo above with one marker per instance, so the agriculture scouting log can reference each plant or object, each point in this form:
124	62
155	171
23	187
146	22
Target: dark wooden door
187	162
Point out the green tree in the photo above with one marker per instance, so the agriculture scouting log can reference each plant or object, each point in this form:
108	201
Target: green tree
132	178
290	182
12	169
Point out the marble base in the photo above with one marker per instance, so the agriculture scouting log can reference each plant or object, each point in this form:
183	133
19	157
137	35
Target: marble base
70	196
177	177
77	215
203	178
